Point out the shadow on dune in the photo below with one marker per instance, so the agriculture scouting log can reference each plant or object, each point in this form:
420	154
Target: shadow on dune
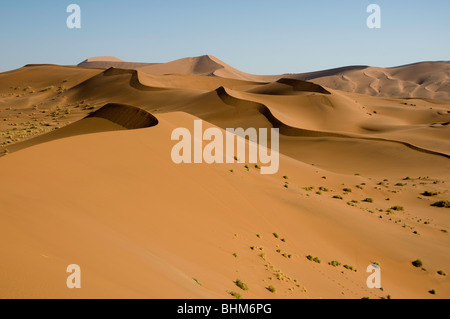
288	130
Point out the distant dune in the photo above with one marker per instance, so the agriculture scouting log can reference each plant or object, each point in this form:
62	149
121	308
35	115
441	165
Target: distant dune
87	178
418	80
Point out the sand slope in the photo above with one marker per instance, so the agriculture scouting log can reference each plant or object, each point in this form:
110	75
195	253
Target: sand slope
88	179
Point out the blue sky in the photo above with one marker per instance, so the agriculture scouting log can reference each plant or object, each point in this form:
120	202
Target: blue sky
260	37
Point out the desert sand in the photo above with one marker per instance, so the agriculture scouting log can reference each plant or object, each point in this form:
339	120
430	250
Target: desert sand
87	178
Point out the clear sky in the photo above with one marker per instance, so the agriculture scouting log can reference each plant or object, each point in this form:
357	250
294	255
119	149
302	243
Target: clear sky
255	36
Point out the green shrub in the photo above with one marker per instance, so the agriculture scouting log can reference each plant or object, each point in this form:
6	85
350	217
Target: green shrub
241	284
235	295
348	267
272	289
197	281
334	263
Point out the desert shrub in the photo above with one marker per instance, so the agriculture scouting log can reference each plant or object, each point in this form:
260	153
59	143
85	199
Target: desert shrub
417	263
272	289
442	273
323	189
429	194
235	295
442	204
276	235
397	208
197	281
368	200
432	291
348	267
347	190
241	284
338	197
334	263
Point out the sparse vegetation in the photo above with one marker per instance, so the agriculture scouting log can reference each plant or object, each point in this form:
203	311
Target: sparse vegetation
241	284
347	190
432	291
397	208
315	259
272	289
334	263
442	204
429	194
368	200
417	263
348	267
338	197
442	273
235	295
197	281
276	235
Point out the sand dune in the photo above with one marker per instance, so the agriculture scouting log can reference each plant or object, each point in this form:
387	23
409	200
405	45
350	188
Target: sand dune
88	179
418	80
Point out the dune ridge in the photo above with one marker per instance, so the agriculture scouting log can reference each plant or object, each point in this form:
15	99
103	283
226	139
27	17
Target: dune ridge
88	178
